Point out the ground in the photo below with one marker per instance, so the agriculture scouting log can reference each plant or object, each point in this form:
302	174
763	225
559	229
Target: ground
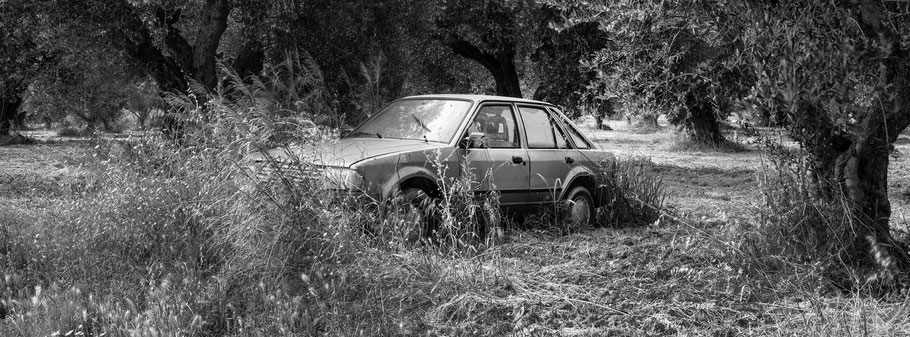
671	277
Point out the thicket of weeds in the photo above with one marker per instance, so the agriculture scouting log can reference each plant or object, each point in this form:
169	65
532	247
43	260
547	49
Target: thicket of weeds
634	193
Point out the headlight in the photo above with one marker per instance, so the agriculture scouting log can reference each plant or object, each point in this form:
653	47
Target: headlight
343	178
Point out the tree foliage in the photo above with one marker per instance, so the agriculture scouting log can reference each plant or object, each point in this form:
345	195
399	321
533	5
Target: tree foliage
24	52
93	86
563	70
669	57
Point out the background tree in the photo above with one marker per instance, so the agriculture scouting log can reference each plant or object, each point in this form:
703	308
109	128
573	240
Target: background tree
24	52
143	101
669	57
174	41
92	86
840	74
561	64
495	34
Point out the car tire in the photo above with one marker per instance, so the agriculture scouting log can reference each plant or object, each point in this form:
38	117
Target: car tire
578	208
419	213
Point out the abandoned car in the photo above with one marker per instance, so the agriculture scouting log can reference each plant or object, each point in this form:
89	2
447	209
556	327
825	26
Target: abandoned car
525	150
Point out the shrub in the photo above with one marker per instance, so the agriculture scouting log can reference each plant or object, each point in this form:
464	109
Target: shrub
634	192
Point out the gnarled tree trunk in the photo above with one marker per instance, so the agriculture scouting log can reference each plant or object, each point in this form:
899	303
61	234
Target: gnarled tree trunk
853	165
501	65
208	37
700	121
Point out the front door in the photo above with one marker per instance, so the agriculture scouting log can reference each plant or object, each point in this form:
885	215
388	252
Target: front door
500	163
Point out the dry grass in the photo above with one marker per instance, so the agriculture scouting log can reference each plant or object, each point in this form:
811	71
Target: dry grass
673	277
136	238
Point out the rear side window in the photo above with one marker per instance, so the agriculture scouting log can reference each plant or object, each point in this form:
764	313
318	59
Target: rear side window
577	138
579	141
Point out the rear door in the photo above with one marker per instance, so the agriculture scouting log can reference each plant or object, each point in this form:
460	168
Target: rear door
502	164
550	153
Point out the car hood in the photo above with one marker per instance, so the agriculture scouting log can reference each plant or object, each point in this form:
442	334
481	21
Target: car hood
347	151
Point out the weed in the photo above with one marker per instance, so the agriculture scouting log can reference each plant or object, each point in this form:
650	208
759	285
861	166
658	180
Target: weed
633	192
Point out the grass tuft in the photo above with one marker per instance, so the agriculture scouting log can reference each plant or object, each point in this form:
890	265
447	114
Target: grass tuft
634	192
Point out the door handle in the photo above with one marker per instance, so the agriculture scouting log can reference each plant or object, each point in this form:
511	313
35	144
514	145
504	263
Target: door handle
569	160
517	160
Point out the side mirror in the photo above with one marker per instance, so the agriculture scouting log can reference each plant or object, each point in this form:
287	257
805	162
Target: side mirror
474	140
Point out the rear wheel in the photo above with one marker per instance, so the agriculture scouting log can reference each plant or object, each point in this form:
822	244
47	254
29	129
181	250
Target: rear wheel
578	208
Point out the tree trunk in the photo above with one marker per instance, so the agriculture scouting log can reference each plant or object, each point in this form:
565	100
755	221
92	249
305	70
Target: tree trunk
9	109
506	76
182	61
864	166
208	37
863	175
501	65
701	121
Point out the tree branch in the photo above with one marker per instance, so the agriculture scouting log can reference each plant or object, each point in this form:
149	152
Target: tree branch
467	50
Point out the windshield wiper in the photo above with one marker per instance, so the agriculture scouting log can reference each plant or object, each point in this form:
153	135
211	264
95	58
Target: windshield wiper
361	133
420	122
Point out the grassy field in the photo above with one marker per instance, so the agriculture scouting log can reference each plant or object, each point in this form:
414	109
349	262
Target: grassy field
687	274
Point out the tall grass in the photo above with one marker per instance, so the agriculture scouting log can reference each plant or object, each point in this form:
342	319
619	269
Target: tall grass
187	238
634	193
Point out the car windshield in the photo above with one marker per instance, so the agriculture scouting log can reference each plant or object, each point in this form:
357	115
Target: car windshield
432	120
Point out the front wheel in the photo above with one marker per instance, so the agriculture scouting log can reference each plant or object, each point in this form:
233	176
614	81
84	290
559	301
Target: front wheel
417	213
578	208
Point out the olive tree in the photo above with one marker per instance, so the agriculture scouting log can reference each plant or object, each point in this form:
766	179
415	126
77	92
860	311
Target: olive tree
840	74
23	54
669	57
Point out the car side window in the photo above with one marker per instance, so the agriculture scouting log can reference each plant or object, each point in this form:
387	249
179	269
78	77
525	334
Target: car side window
539	128
579	141
497	122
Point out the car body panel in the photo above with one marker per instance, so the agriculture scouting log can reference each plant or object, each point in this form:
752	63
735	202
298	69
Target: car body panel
495	170
550	174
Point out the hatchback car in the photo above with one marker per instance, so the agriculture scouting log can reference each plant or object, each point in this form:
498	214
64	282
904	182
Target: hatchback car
525	150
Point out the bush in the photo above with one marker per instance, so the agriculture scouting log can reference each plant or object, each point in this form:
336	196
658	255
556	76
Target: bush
634	192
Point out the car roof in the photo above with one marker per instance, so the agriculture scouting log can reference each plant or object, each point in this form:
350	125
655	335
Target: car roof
480	98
